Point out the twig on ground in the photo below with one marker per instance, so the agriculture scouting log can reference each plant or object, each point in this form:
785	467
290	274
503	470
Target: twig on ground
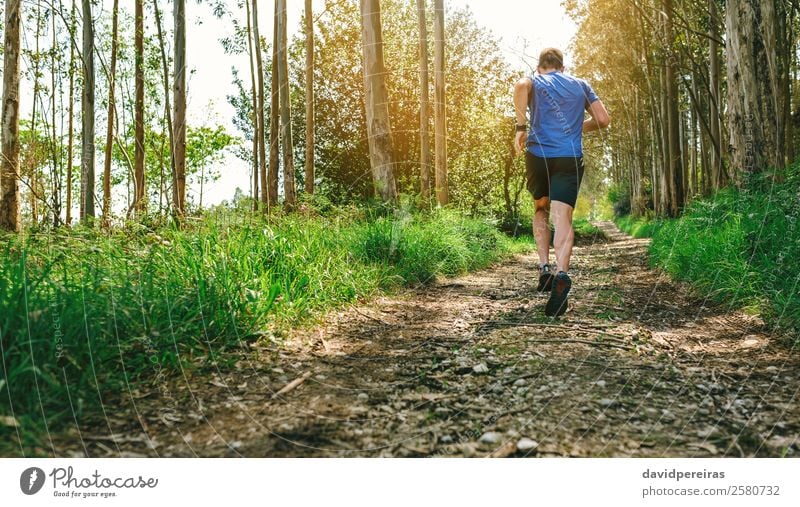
293	384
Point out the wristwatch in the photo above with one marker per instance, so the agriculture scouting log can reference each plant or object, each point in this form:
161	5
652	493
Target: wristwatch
521	128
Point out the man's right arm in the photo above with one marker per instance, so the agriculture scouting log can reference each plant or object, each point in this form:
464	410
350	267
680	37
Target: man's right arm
522	92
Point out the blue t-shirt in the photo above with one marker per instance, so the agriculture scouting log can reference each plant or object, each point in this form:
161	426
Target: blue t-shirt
557	112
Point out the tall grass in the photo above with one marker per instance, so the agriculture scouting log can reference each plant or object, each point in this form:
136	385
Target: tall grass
741	247
84	314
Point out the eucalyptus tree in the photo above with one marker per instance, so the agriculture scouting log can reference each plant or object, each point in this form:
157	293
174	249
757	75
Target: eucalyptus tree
309	95
440	117
379	130
179	114
9	166
87	116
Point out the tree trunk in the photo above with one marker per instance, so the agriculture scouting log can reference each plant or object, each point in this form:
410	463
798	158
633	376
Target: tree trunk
677	197
377	101
440	119
57	147
309	174
112	74
274	119
260	118
167	105
87	116
424	108
139	188
258	140
179	90
715	95
289	191
71	119
9	172
665	178
753	113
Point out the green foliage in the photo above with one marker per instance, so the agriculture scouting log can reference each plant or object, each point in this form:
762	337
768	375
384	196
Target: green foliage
85	315
638	227
741	247
479	104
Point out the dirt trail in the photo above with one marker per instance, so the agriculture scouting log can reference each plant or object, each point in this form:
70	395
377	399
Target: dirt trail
639	366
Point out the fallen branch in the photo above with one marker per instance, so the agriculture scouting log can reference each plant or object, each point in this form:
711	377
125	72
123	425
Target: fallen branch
293	384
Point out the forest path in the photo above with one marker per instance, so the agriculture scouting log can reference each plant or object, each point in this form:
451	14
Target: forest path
639	366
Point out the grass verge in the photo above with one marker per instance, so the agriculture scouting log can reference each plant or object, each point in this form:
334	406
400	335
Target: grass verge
84	314
740	247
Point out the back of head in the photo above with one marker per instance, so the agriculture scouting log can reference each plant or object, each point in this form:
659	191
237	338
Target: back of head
551	59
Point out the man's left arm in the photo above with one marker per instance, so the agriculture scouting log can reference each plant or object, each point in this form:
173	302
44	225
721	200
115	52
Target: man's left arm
522	92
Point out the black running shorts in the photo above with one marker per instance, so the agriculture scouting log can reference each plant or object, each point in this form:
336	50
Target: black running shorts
557	178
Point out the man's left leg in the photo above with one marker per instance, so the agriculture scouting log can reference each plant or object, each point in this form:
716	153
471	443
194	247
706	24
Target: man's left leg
565	234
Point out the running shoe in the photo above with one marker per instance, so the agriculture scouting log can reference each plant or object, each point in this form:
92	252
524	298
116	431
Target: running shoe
545	279
557	304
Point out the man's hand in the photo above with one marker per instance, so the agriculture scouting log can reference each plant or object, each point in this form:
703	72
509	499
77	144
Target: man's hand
519	142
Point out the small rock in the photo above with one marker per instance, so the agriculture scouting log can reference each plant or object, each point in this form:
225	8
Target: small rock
480	368
489	438
519	382
605	402
526	445
363	397
446	439
600	383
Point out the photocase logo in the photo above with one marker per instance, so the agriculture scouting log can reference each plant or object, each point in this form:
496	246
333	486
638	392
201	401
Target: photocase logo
31	480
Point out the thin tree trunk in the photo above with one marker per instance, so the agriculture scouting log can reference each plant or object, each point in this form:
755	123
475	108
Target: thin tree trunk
87	116
309	174
9	173
289	188
274	119
260	115
112	73
71	119
167	105
57	147
442	193
424	108
254	98
673	117
179	90
714	83
379	130
139	189
34	165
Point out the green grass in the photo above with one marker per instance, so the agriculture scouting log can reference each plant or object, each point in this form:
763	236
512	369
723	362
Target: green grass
741	247
638	227
85	314
584	228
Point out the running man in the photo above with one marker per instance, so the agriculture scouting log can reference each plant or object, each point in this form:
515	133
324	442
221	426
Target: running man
553	146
